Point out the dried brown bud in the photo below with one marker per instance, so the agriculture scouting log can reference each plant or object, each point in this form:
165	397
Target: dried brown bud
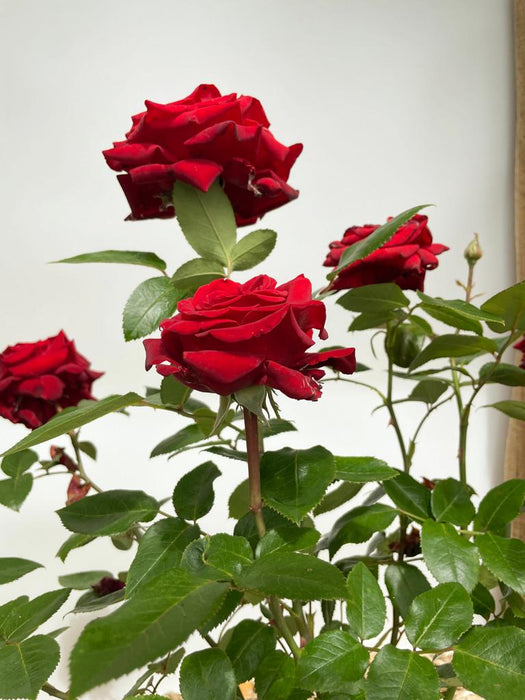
473	251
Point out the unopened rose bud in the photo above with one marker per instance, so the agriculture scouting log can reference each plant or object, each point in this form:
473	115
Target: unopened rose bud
473	251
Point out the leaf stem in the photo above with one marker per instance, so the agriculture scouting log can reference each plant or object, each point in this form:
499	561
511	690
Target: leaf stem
80	467
280	622
54	692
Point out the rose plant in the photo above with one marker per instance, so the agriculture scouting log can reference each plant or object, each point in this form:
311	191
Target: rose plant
430	596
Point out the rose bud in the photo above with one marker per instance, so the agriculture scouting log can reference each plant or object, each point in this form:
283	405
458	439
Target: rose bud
473	251
107	585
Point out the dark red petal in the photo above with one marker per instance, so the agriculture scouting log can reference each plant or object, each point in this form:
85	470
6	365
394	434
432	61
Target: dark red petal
46	387
291	382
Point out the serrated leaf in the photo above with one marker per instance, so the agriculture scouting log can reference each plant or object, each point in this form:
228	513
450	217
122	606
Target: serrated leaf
458	313
246	527
173	392
82	580
207	220
451	502
437	618
376	239
197	272
108	513
150	303
483	602
404	582
502	373
333	499
398	674
409	495
428	391
90	601
362	469
25	667
505	558
292	539
208	675
26	618
72	418
275	677
181	439
359	524
193	495
159	549
250	641
159	617
228	554
13	568
372	319
73	542
509	305
294	481
449	556
125	257
276	426
331	662
16	464
374	298
13	492
500	505
239	501
231	601
253	249
291	575
453	346
491	662
365	603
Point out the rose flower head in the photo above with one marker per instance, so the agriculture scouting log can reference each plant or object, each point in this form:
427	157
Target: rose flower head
521	347
230	336
38	379
404	259
197	140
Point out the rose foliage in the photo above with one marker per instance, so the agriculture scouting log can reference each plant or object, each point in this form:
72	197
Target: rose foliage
410	591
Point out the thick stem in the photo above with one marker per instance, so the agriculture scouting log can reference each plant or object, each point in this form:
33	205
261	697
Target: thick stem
54	692
254	469
280	623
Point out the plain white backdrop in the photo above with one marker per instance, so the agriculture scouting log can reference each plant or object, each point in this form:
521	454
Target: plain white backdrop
397	103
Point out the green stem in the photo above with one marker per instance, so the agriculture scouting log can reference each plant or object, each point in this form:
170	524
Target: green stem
280	622
80	467
54	692
254	469
301	620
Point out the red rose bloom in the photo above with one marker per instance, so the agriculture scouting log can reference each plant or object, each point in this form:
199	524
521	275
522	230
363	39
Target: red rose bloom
198	139
230	336
521	347
37	379
404	259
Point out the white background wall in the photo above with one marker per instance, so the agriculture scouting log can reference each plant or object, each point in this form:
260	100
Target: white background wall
397	103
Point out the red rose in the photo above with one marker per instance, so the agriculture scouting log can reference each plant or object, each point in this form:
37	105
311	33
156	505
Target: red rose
197	140
37	379
404	259
521	347
230	336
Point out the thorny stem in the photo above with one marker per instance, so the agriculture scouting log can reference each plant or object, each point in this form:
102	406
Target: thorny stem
254	469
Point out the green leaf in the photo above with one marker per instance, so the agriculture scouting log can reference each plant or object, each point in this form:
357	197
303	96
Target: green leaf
83	579
197	272
73	542
150	303
275	677
397	674
437	618
159	549
374	298
177	442
509	305
291	575
451	502
362	469
513	409
252	398
404	582
333	499
16	464
125	257
359	524
491	662
453	346
91	601
173	392
246	526
228	554
502	373
88	448
159	617
365	603
291	539
13	492
253	249
108	513
501	505
449	556
294	481
331	662
193	495
276	426
72	418
457	313
249	643
371	319
207	220
428	391
229	604
409	495
26	618
376	239
505	558
239	501
208	675
13	568
25	667
482	601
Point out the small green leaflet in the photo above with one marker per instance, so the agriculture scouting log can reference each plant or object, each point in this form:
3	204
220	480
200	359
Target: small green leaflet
197	272
253	249
25	667
397	674
126	257
365	603
208	675
449	556
13	568
152	301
